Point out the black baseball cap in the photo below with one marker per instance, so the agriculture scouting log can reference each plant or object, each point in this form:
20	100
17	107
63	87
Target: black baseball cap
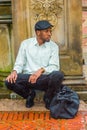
43	24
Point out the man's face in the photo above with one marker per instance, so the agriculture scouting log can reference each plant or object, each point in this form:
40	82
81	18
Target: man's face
45	34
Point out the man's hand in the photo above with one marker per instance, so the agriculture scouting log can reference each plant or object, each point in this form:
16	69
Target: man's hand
12	77
33	78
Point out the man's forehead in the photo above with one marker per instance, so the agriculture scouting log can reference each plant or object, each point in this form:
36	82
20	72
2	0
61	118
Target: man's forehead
48	29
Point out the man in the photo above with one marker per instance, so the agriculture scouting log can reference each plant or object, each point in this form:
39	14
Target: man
37	66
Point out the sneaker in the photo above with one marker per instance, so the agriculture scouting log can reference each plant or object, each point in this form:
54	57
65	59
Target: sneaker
30	99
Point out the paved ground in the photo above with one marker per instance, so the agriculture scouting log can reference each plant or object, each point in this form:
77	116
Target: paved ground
41	121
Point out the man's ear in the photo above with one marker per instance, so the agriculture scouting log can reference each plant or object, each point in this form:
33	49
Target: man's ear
37	32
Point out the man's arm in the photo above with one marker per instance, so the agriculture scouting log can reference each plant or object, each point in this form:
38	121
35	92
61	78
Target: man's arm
20	59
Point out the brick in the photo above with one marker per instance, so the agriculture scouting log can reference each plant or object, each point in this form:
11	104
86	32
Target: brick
40	120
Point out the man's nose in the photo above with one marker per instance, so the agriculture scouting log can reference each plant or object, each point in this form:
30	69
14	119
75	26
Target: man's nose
50	33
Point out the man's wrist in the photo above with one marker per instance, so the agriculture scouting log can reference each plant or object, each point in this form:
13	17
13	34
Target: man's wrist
13	71
42	70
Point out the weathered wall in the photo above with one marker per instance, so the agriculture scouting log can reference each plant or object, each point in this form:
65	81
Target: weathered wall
5	39
67	27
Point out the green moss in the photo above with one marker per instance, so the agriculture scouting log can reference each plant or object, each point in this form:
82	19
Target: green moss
1	84
6	69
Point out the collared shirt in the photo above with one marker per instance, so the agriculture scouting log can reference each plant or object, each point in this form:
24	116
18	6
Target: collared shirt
32	56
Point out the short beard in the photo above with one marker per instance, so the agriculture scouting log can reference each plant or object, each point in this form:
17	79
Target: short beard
46	41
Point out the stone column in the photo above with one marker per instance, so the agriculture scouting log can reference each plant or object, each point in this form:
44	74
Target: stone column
19	22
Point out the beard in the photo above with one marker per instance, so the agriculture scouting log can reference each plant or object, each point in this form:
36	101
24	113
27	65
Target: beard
46	40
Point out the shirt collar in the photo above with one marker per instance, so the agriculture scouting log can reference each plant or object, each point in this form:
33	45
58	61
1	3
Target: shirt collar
36	43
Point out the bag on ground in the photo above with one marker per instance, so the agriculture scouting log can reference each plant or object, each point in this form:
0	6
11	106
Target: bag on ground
64	104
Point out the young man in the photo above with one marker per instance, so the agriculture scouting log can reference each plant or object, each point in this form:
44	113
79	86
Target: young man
37	66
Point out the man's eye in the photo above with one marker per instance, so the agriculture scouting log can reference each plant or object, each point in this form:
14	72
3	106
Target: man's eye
48	31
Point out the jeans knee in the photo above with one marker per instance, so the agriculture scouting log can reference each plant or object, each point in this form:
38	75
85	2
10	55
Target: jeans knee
57	75
60	74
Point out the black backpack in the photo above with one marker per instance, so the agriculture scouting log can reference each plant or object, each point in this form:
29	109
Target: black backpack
64	104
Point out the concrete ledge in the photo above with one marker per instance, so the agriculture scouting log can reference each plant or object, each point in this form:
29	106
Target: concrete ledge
19	105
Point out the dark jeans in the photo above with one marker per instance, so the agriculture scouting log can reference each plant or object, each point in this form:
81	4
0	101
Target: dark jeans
46	82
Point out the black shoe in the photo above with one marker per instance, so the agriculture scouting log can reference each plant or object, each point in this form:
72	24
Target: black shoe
47	102
30	99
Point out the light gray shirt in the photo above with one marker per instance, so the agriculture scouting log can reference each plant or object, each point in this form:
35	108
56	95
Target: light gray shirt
32	57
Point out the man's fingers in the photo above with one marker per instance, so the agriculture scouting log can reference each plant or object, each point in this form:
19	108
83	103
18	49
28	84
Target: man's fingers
14	78
33	78
8	78
11	78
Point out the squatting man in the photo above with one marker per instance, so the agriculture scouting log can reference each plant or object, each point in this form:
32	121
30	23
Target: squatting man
37	66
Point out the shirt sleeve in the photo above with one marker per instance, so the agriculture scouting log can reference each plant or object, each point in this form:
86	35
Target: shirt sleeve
20	60
54	60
